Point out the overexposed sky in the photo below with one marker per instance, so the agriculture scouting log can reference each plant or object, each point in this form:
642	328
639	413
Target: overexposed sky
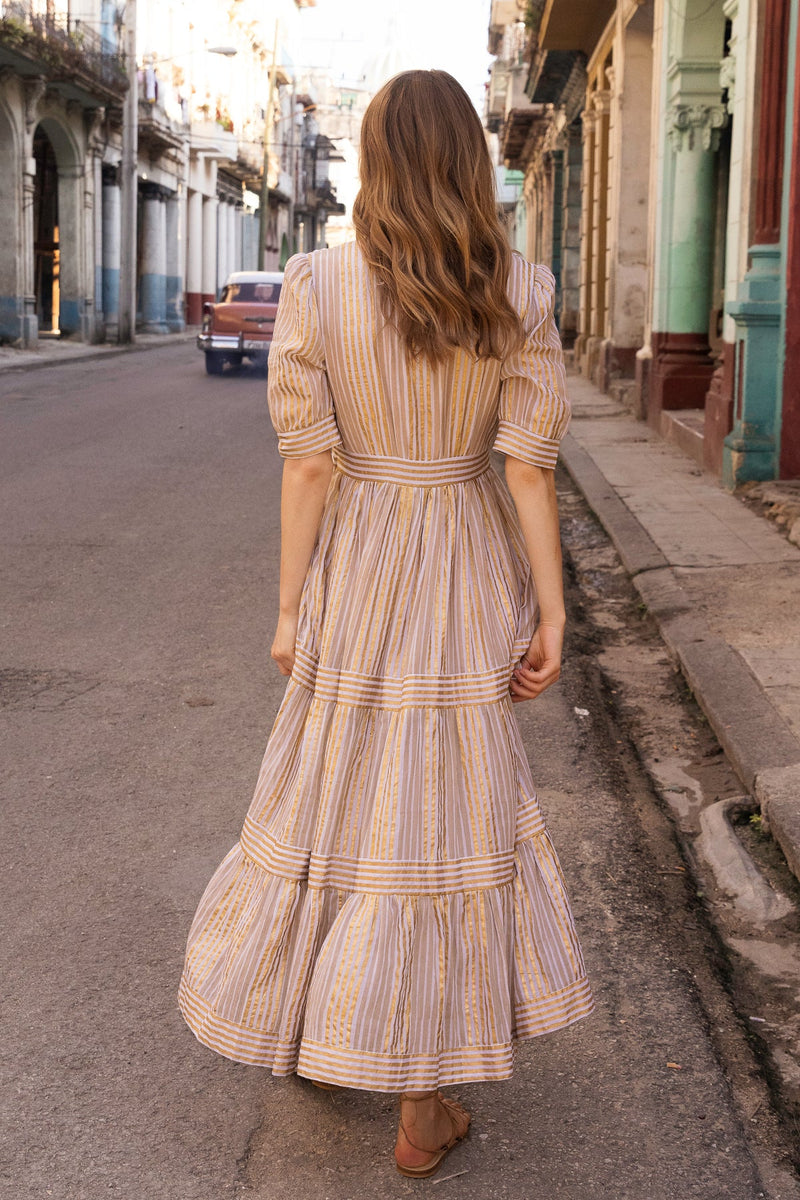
365	42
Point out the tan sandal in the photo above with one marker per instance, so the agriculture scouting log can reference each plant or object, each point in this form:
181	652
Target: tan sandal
437	1157
326	1087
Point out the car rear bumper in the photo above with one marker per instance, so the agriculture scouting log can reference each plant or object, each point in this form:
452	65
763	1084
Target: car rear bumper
232	343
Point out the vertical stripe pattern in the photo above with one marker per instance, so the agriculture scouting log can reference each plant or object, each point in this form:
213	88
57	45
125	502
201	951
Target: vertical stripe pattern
394	915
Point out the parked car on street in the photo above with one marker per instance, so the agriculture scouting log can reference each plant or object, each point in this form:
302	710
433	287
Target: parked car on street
241	322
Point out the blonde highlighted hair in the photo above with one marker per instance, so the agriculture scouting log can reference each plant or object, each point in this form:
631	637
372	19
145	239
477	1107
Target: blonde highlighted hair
426	220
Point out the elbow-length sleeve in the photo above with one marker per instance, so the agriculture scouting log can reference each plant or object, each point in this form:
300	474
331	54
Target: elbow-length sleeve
300	401
534	408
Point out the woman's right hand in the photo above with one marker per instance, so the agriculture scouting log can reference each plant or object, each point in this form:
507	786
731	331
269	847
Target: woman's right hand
541	665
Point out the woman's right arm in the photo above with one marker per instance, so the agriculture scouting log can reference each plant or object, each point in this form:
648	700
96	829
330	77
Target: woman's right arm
533	491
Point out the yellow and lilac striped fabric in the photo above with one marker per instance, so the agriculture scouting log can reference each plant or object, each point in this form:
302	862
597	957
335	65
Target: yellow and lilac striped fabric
394	915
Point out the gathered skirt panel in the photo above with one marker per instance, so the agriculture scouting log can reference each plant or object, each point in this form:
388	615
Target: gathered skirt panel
357	938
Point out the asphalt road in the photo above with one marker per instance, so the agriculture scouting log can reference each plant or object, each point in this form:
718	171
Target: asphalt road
140	541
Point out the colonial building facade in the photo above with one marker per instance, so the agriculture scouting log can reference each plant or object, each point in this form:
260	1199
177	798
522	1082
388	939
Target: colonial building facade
652	138
204	99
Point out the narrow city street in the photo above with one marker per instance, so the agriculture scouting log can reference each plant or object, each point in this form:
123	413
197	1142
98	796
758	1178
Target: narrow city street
140	542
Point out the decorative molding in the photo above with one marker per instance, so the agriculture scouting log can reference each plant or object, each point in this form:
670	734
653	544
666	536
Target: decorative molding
727	78
53	98
93	121
688	122
33	89
602	102
154	191
588	122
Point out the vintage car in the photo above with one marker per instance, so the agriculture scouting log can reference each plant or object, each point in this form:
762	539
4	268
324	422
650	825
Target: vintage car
240	324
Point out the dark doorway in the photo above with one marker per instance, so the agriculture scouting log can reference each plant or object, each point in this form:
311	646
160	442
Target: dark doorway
46	234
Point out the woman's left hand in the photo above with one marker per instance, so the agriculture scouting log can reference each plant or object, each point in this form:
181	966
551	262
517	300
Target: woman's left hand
284	642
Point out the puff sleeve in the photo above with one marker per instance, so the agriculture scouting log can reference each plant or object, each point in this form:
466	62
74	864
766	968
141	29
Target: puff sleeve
300	401
534	409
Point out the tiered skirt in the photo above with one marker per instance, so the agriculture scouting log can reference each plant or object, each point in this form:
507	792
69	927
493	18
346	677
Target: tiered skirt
394	915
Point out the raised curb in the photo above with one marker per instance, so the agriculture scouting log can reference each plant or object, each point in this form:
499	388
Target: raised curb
634	545
110	351
762	748
777	790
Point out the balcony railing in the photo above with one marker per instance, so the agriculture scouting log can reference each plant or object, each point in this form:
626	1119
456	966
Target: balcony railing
66	47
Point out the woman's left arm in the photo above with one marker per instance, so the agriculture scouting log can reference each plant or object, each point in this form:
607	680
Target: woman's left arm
303	490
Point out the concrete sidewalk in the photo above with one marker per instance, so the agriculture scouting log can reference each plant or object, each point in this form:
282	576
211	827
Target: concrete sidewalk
720	581
52	352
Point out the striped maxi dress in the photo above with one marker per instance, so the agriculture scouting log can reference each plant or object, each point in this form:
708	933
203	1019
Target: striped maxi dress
394	915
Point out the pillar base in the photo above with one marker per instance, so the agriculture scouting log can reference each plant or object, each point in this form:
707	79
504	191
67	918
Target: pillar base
194	308
591	357
643	371
681	373
614	362
29	330
745	458
719	410
175	321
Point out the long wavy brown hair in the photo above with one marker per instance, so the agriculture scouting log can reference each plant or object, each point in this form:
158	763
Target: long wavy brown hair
426	220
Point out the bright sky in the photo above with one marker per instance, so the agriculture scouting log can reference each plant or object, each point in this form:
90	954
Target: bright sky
368	41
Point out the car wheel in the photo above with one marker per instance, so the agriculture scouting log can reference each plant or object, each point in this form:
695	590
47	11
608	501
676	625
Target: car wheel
214	362
235	359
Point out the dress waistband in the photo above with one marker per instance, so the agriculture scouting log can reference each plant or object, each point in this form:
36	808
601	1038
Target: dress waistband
409	472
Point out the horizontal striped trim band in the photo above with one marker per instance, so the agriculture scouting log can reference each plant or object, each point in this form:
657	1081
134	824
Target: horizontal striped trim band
409	691
378	876
355	1068
301	443
412	472
525	445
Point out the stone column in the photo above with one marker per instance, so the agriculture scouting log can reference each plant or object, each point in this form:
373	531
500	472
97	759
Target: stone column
98	323
194	258
597	296
93	329
71	238
112	233
153	278
209	278
789	455
628	188
222	244
571	236
174	265
234	257
10	213
695	135
682	365
750	450
238	230
29	322
588	119
33	89
226	257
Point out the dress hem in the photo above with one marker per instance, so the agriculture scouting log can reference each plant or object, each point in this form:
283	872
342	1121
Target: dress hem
368	1071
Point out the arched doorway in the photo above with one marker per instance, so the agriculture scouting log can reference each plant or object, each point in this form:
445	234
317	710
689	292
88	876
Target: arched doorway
58	229
46	235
